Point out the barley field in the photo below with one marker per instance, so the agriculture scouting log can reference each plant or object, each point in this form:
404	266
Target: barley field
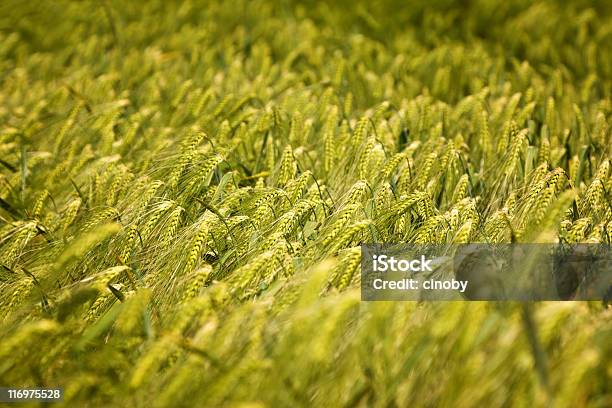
185	186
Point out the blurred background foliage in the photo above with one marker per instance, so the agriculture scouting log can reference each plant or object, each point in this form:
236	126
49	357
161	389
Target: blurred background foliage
185	186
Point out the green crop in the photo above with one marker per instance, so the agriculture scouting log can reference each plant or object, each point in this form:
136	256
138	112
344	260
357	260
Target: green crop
184	187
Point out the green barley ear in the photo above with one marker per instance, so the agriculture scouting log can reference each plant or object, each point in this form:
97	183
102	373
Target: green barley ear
187	155
107	124
344	135
461	188
119	181
603	170
270	153
464	233
330	150
601	129
549	217
286	223
484	133
348	234
550	119
347	268
339	72
510	109
83	243
264	121
224	131
361	132
348	104
329	138
383	197
428	231
425	208
425	170
582	130
174	220
223	104
39	203
598	234
543	201
296	187
405	179
539	176
70	214
99	305
596	198
106	215
159	210
196	282
287	167
67	126
132	129
496	226
504	137
448	157
200	100
525	113
132	234
579	230
250	274
391	166
380	111
517	144
342	219
193	255
148	195
19	291
405	203
180	94
296	128
203	175
544	151
358	192
278	114
109	276
574	167
364	158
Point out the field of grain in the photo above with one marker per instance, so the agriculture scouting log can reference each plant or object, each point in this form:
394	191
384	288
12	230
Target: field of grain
184	188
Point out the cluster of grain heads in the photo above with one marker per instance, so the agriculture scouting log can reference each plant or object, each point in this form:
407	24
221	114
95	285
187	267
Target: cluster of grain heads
186	156
130	240
70	214
199	241
172	227
345	270
17	241
287	167
196	282
351	233
182	224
